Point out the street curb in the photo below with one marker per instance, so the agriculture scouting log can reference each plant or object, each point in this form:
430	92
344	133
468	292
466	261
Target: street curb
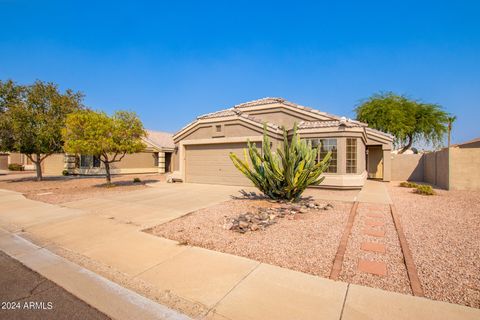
104	295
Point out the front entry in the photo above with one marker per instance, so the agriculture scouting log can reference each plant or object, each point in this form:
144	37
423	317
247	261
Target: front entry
375	162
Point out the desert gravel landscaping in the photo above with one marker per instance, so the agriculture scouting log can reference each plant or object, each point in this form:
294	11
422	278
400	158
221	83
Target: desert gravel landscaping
396	278
443	234
56	190
305	242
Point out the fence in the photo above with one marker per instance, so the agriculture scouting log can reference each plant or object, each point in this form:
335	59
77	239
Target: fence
453	168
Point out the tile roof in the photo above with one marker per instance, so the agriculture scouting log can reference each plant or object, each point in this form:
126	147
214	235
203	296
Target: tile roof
160	139
380	132
328	124
219	114
269	100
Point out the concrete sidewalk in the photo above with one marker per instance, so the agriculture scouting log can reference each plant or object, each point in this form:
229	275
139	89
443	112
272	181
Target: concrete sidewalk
229	287
374	192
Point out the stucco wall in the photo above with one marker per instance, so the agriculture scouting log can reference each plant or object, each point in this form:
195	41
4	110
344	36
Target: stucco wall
54	164
464	169
229	129
136	160
407	167
280	117
16	158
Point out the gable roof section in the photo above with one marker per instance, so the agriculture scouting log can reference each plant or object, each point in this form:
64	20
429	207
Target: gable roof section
239	111
267	101
159	139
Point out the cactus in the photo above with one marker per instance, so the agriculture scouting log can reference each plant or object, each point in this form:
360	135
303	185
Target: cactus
286	174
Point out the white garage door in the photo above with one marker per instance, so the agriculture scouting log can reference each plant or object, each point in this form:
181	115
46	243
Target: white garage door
211	164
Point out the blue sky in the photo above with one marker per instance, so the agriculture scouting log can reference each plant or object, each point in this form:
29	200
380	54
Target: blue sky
172	60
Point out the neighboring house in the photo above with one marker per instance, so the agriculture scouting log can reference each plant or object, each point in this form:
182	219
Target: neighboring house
202	147
156	158
7	158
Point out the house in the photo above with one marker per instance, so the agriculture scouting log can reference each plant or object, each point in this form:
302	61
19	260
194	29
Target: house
202	147
156	158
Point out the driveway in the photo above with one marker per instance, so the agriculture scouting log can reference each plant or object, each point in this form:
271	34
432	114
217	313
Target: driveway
158	204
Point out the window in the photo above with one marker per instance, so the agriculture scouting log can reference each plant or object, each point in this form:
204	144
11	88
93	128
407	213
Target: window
324	146
351	155
87	161
218	128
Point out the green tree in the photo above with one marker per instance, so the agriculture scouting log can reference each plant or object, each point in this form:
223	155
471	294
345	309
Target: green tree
286	174
407	120
110	138
32	118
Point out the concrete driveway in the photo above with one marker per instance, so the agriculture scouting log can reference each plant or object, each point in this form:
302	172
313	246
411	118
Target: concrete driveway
158	204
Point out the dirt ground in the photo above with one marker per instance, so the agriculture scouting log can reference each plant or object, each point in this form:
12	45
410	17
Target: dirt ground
57	190
443	234
307	243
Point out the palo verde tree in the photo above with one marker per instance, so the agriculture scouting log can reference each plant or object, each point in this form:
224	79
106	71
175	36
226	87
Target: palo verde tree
286	174
407	120
109	138
32	118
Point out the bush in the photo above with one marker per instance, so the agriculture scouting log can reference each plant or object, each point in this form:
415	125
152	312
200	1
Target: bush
408	184
283	175
65	172
136	180
15	167
425	190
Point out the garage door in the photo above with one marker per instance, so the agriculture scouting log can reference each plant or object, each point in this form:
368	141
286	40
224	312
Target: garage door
211	164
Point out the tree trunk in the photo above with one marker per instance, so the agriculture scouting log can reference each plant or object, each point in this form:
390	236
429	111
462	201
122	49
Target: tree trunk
107	171
38	167
407	146
449	133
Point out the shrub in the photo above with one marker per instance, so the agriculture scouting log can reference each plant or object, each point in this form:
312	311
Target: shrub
136	180
65	172
283	175
15	167
406	184
425	190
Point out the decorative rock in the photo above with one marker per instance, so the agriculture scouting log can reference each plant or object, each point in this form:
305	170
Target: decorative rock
228	226
243	224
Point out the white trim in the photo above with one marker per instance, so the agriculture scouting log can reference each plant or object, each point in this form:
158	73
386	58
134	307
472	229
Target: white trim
344	180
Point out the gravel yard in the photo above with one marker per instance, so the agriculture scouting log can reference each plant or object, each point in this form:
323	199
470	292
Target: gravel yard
443	233
57	190
307	243
396	278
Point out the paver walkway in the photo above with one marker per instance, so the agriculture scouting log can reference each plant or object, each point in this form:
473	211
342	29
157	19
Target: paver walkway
229	287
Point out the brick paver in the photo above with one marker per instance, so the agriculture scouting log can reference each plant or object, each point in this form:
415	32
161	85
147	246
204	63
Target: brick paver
373	267
373	247
374	223
380	233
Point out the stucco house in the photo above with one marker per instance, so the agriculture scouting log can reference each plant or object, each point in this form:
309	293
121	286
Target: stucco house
155	158
202	147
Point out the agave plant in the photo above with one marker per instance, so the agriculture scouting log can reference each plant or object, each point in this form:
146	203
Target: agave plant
286	174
